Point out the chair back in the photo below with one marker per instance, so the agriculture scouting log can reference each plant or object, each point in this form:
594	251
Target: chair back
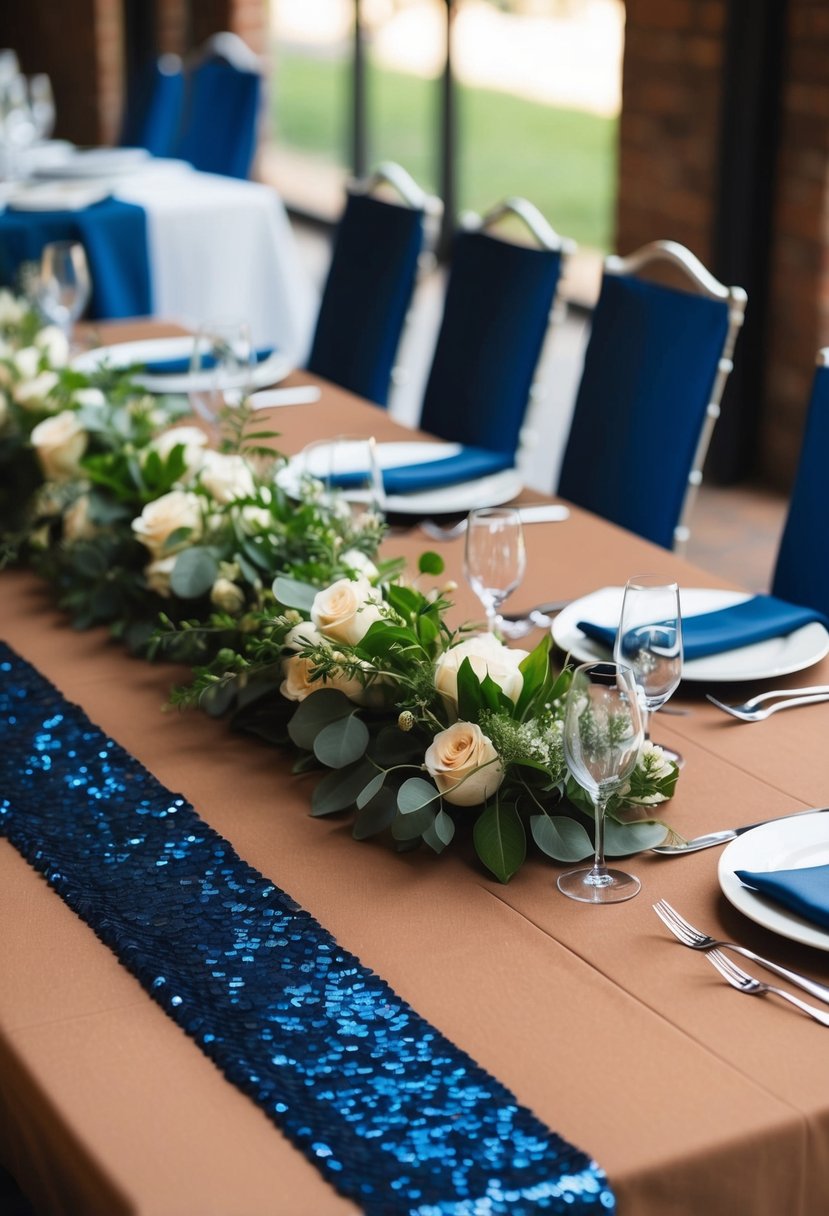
499	300
369	285
654	371
801	573
156	126
220	118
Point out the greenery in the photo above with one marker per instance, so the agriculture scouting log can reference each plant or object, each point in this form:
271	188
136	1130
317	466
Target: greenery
564	161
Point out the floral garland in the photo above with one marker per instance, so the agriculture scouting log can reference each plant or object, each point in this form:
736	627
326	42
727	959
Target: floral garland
293	627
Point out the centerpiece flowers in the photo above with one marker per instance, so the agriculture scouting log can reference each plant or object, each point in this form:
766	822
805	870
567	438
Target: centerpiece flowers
423	733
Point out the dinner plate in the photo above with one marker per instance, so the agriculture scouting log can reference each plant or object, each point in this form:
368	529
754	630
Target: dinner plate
59	196
131	354
95	162
786	844
760	661
488	491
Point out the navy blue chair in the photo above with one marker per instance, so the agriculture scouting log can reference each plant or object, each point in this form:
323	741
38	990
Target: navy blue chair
153	118
220	114
369	286
499	300
801	575
654	371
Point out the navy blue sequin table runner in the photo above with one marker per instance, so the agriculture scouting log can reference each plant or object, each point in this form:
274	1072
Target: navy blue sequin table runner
391	1113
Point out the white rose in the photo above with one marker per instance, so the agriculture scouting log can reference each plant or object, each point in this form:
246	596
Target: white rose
77	524
12	310
302	635
89	398
464	765
161	518
345	610
27	362
226	478
297	683
33	393
54	344
158	573
59	444
256	519
226	596
192	440
355	560
487	656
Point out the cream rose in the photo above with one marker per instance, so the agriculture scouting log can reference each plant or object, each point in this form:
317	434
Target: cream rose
487	656
89	398
297	683
226	478
464	765
32	394
59	444
226	596
158	573
161	518
191	439
12	309
77	523
345	610
54	344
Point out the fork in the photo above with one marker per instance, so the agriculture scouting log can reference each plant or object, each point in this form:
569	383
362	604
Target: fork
753	710
743	982
685	932
535	513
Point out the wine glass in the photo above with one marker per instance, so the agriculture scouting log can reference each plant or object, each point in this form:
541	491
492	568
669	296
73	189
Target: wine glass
62	286
348	474
42	104
495	557
602	740
649	641
221	368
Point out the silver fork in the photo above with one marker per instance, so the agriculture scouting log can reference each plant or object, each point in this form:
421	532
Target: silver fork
753	710
743	982
690	936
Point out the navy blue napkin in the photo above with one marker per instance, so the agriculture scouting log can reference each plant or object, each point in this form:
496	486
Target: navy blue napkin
466	465
804	891
180	366
754	620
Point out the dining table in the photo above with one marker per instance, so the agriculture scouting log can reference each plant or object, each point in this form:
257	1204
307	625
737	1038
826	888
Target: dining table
692	1097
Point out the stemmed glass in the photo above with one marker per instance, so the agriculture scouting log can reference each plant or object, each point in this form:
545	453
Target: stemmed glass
348	473
649	641
62	286
221	368
495	557
42	104
602	740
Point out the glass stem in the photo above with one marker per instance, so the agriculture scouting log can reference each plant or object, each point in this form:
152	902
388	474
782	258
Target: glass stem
599	808
646	723
491	615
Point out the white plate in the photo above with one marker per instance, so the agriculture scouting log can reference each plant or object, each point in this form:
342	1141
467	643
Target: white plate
59	196
487	491
96	162
130	354
760	661
788	844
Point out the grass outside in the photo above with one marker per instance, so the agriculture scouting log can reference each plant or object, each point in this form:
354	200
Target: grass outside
564	161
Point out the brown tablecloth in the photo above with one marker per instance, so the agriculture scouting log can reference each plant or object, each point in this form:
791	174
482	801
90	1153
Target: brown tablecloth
691	1097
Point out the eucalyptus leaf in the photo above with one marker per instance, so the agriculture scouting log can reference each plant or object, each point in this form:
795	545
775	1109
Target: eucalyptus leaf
367	793
412	825
415	794
500	840
621	839
431	563
194	573
561	837
441	832
391	746
314	714
375	816
218	699
342	742
293	594
337	791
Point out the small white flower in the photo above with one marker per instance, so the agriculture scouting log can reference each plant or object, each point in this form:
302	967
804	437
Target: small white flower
357	561
89	398
12	309
77	524
190	438
226	478
158	573
54	344
226	596
33	393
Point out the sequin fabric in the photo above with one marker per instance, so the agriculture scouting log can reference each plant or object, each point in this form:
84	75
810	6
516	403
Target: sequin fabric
391	1113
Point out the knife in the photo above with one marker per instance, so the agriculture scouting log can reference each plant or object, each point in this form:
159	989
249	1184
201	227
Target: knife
712	838
543	512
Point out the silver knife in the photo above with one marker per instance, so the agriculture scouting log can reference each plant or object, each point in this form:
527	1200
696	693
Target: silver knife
543	512
712	838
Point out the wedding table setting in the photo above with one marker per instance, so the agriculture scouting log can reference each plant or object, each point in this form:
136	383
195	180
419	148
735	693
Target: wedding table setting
305	943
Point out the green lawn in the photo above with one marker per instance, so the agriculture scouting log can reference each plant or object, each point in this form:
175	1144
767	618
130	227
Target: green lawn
562	160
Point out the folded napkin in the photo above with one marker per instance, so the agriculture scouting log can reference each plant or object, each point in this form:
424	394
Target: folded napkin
181	365
466	465
753	620
804	891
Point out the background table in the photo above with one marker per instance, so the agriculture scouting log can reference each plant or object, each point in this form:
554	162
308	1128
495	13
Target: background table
692	1098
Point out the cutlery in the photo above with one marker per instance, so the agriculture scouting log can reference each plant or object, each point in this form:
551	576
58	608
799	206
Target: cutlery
542	513
518	624
300	394
753	710
743	982
712	838
695	939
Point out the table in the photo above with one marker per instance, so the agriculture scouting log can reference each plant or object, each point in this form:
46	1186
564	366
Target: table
692	1098
251	270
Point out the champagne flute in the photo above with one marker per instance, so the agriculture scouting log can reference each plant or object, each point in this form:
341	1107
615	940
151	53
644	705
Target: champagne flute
495	557
347	472
62	286
602	740
221	368
649	641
